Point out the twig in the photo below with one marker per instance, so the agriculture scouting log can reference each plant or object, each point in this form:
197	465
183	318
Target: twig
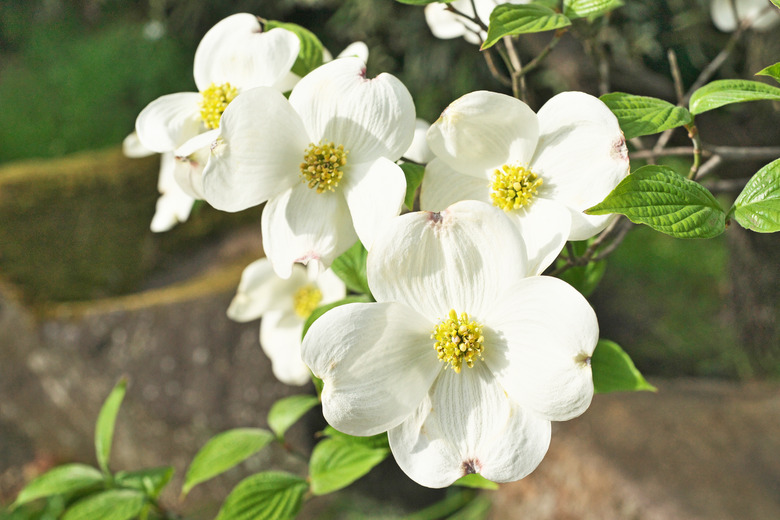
709	166
726	185
516	69
502	78
676	75
693	133
726	152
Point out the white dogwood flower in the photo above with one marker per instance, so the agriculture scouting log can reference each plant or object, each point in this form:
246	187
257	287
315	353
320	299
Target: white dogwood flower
233	56
463	360
542	169
445	24
727	18
324	161
284	306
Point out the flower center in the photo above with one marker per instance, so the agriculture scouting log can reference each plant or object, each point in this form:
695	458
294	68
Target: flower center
459	340
215	100
305	300
513	187
323	166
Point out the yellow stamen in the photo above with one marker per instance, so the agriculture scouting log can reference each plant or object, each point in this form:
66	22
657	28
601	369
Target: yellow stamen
513	187
215	100
323	166
305	300
459	340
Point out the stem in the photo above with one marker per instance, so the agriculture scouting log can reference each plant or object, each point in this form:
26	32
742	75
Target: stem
491	63
614	233
725	152
543	54
516	69
676	75
693	133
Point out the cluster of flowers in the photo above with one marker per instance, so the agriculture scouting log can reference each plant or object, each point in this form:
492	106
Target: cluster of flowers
468	353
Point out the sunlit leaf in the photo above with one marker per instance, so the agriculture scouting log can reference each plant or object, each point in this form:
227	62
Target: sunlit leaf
224	451
350	266
310	55
150	481
414	175
773	71
727	91
475	480
613	370
286	412
104	429
589	8
114	504
60	480
758	206
265	496
642	115
508	19
374	441
336	463
667	202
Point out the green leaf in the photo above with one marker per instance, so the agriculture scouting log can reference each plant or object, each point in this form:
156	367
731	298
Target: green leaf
104	429
477	509
641	115
589	8
265	496
613	370
286	412
319	311
374	441
414	175
509	19
310	55
350	266
336	464
114	504
424	2
223	451
773	71
58	481
475	480
728	91
776	2
667	202
758	206
150	481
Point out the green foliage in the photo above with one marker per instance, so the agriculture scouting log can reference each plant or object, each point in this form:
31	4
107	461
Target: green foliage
114	504
758	206
727	91
773	71
59	481
224	451
373	441
424	2
286	412
642	115
319	311
414	175
475	480
508	19
104	429
265	496
310	55
589	8
667	202
337	462
613	370
476	509
150	481
350	266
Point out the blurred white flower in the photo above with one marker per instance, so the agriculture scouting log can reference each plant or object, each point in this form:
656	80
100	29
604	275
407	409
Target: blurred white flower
419	151
284	306
324	161
542	169
464	360
445	24
765	16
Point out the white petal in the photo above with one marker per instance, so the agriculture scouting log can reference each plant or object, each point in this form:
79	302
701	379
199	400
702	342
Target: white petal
331	286
235	51
442	186
280	338
261	291
174	205
191	160
132	147
301	225
418	151
469	425
581	156
377	362
375	193
371	117
259	153
538	342
545	226
355	50
458	259
169	121
482	131
445	24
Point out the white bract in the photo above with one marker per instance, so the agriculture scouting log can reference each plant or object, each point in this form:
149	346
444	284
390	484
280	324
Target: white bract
324	161
284	306
445	24
727	17
542	169
464	360
174	205
233	56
